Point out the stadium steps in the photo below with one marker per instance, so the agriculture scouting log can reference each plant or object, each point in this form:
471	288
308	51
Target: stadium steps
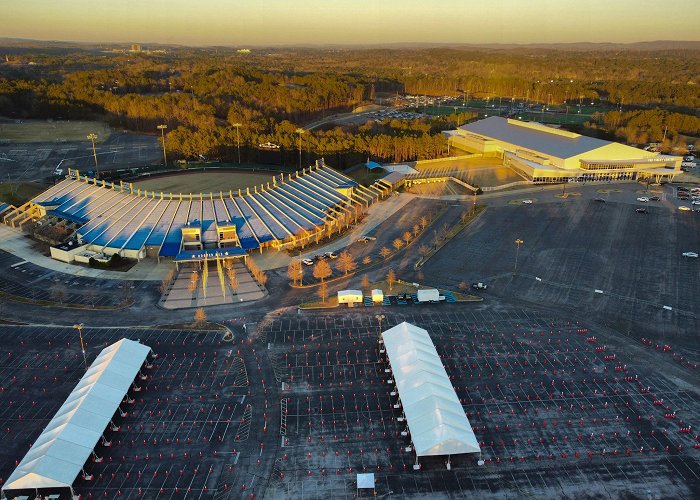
367	301
386	301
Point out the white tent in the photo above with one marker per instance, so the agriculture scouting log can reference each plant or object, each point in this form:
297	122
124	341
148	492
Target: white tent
59	453
434	414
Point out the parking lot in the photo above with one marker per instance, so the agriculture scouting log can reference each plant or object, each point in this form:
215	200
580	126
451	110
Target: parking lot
38	161
295	406
601	259
196	429
30	281
555	410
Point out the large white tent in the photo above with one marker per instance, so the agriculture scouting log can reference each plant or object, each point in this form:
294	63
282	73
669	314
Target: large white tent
60	452
434	414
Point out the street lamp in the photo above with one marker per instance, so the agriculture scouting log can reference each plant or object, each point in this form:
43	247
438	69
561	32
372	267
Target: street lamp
299	131
380	318
92	137
518	242
238	140
162	135
79	327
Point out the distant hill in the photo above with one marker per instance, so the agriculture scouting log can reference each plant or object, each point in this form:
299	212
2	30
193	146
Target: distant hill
656	45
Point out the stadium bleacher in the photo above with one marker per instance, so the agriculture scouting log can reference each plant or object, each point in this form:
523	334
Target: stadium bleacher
118	218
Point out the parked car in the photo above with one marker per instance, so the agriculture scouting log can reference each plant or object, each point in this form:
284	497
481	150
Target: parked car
643	199
654	198
308	262
366	239
692	255
479	286
684	208
601	200
527	202
642	211
330	255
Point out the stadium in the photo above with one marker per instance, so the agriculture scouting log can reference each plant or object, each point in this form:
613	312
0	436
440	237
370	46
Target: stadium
108	218
544	154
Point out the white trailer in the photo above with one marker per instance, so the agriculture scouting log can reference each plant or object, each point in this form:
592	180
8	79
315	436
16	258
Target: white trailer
429	295
350	297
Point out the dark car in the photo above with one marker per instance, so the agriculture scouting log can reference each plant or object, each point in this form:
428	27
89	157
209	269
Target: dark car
642	211
654	198
601	200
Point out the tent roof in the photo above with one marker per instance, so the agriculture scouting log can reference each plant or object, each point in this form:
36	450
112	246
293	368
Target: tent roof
435	416
59	453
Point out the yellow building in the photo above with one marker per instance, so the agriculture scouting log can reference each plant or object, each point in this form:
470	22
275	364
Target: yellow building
546	154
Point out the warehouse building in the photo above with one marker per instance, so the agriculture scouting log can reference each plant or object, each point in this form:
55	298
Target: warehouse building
545	154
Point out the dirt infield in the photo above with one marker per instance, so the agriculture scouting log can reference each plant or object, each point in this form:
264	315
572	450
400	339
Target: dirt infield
205	182
22	131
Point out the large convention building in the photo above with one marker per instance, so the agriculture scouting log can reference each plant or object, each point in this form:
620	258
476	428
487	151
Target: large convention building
545	154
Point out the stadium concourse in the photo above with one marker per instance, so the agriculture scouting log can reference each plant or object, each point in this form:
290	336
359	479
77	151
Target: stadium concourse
119	219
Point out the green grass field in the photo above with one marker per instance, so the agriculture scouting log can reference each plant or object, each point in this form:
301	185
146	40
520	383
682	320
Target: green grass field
51	131
205	182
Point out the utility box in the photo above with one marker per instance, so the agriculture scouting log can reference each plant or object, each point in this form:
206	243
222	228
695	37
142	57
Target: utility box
377	295
350	297
428	295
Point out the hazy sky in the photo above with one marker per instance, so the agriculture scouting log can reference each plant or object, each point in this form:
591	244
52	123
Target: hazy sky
261	22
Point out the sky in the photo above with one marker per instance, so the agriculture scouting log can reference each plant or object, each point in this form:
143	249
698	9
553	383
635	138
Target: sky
295	22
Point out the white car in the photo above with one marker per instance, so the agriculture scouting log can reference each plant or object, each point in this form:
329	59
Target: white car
527	202
308	262
684	208
643	199
692	255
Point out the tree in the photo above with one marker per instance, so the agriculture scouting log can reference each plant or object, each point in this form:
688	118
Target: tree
200	317
194	280
232	278
323	291
391	279
295	271
58	292
420	276
464	217
385	252
423	251
365	282
346	262
407	237
398	244
424	221
322	270
463	285
416	230
367	260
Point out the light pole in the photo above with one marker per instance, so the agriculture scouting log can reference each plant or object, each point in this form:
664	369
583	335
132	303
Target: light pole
92	137
380	318
238	140
300	131
162	137
518	242
79	327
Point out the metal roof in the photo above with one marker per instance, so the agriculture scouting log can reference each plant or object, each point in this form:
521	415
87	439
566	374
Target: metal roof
540	140
59	453
434	414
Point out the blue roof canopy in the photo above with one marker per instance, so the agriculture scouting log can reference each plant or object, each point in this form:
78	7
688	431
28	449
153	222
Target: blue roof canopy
209	253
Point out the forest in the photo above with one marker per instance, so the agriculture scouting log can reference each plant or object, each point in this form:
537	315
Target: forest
200	94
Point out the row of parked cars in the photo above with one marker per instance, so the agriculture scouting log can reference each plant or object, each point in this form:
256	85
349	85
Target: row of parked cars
312	260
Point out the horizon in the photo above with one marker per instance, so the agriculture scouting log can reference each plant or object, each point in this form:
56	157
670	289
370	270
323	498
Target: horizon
394	22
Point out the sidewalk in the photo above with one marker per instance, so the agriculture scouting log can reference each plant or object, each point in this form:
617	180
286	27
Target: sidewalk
377	213
16	243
